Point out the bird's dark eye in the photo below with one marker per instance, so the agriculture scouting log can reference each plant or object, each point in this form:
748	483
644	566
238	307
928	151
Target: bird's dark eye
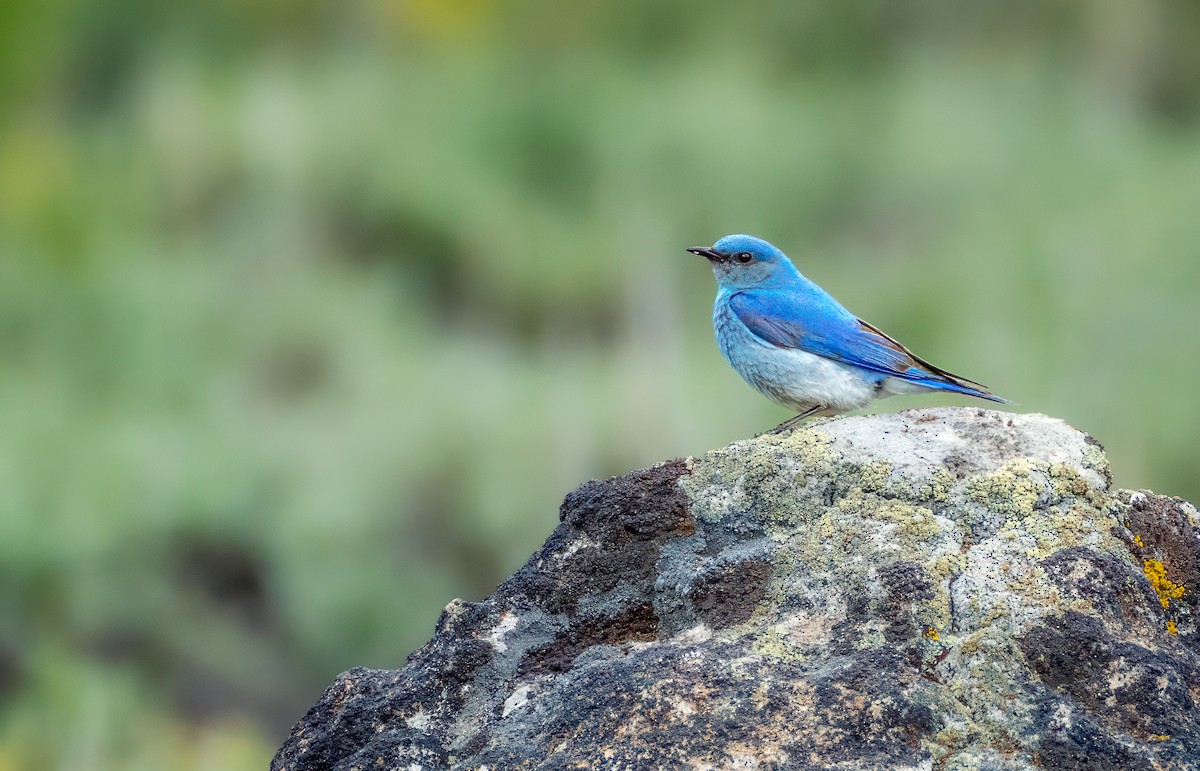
743	257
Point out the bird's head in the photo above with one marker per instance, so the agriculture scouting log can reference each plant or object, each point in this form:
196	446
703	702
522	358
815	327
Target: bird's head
744	262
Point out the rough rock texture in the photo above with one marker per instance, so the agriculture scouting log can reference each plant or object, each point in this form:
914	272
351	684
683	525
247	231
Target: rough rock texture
949	589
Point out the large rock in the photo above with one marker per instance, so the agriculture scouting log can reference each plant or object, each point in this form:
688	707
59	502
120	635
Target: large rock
944	589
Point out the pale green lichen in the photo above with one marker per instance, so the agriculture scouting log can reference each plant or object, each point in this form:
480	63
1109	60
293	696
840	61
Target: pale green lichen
1058	527
1014	489
1024	485
934	488
1050	505
766	471
910	527
774	645
1068	481
778	642
871	639
873	477
947	566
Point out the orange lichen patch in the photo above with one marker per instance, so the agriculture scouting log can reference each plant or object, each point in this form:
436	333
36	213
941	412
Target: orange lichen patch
1138	540
932	633
1165	588
1159	737
1172	628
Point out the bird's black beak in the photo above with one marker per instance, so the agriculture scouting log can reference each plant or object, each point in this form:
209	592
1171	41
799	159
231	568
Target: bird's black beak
705	251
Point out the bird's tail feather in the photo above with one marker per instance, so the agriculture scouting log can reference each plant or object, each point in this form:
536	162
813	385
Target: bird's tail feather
925	374
959	386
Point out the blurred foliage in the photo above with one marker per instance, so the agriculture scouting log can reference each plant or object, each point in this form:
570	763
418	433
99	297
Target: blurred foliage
310	312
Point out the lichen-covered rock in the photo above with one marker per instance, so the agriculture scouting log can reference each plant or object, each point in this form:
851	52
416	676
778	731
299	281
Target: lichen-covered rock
949	589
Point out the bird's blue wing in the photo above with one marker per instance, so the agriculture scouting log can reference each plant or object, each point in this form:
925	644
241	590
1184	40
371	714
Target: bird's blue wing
818	324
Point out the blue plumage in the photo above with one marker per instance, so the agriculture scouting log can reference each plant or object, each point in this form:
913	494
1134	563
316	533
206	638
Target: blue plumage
795	343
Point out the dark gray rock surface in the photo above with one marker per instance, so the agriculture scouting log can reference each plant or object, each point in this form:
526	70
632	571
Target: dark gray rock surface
936	589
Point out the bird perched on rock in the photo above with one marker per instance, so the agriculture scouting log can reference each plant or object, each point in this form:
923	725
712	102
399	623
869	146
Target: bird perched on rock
798	346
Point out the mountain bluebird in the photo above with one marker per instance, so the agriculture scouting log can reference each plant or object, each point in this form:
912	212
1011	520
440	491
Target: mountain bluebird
799	347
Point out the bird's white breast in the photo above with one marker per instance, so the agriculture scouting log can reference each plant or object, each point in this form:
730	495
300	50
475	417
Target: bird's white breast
792	377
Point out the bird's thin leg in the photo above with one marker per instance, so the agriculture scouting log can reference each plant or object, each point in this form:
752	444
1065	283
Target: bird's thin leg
785	425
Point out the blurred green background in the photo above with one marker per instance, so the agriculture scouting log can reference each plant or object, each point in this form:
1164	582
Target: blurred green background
311	312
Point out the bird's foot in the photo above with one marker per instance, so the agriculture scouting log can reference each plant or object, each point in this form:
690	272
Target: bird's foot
784	426
792	421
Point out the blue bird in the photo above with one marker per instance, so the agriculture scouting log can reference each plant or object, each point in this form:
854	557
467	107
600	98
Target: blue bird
799	347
